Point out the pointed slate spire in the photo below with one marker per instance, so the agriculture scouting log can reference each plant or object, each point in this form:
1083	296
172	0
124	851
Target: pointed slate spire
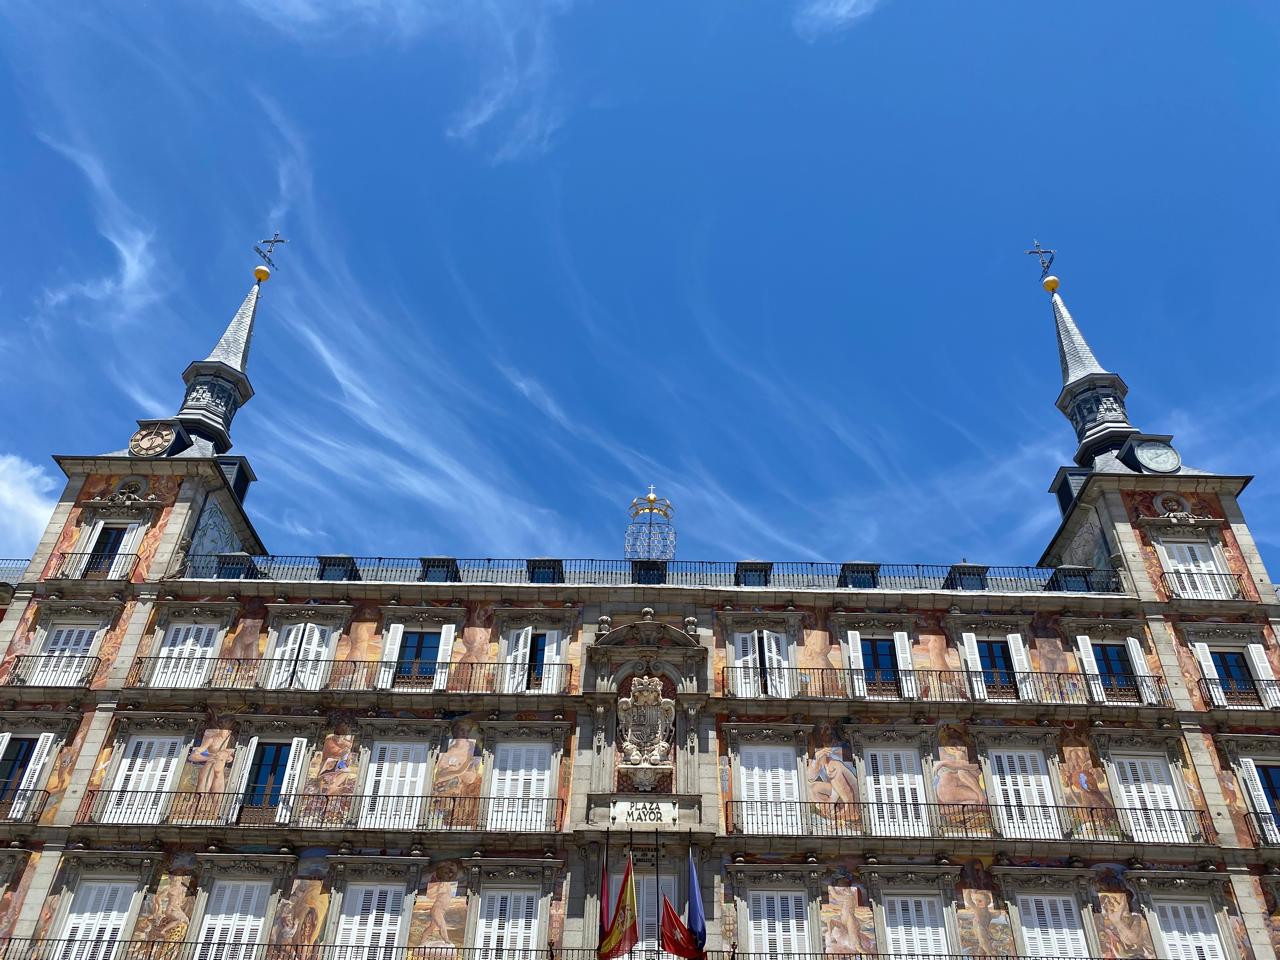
218	385
1092	397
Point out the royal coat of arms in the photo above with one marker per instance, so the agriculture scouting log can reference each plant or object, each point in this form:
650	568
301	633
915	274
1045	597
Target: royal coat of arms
646	722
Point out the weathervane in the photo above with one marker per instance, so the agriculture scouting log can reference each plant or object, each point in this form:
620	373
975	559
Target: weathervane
1046	257
271	248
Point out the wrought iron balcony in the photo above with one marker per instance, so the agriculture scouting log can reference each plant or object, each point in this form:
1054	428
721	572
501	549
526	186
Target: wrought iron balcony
1265	828
224	673
11	571
830	683
679	573
1183	585
1240	693
51	670
23	806
966	821
318	811
93	566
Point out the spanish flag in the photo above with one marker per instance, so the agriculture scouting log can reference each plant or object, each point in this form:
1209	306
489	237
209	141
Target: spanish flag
624	931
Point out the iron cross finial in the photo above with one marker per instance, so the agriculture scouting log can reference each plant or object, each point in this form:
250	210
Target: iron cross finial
271	248
1046	257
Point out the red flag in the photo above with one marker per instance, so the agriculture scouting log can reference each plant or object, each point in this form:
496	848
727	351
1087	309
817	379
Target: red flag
676	938
624	932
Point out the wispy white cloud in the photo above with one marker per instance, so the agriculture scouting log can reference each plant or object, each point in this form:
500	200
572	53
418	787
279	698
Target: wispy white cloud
27	496
814	19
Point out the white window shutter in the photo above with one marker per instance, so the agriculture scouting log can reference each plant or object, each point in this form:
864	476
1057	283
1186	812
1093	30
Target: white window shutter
516	670
140	792
853	649
1027	684
1147	688
370	917
95	922
521	787
1204	657
1089	667
1024	799
184	656
295	772
242	767
127	553
75	567
777	663
394	786
1260	667
906	669
507	925
278	670
553	663
1149	800
63	655
444	656
771	785
745	677
1189	930
1051	926
973	662
313	657
233	920
392	635
914	925
778	923
33	776
895	792
1265	816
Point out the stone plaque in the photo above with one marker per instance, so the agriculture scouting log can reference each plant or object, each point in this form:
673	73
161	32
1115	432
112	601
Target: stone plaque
651	812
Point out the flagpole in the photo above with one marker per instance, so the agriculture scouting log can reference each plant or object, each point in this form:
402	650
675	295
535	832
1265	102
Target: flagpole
603	926
657	887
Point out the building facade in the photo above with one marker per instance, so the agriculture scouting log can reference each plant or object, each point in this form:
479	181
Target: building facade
210	751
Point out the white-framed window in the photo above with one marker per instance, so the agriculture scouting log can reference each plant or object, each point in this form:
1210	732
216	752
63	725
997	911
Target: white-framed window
395	785
1188	929
1051	925
369	920
1261	779
520	789
998	667
299	655
881	667
507	925
416	657
915	925
140	788
1116	672
1149	801
1237	675
777	922
105	550
94	923
234	919
268	776
1022	794
895	792
66	648
24	764
1196	570
185	654
533	661
769	777
761	664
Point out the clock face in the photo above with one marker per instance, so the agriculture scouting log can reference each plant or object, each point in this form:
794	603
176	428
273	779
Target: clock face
1158	456
152	440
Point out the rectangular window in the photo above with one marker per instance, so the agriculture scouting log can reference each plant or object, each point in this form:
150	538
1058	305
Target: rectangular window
880	666
369	921
267	774
419	653
1188	930
103	552
778	922
22	772
64	656
770	791
1051	927
996	664
1262	783
1148	800
184	656
299	659
13	766
267	785
395	786
895	792
914	925
1194	572
1115	673
233	920
533	661
1023	797
140	793
508	925
95	922
521	788
761	664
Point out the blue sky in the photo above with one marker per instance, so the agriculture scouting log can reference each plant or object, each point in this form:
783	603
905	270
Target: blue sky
767	256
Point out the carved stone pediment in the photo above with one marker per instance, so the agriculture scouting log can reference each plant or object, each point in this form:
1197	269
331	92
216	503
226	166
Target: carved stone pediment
554	730
337	614
923	736
646	727
399	728
355	869
88	609
1201	632
131	722
1066	879
1003	735
781	621
239	865
1177	881
797	733
1237	745
647	632
79	862
984	625
550	618
940	877
34	721
871	622
169	611
1102	627
541	873
423	616
811	876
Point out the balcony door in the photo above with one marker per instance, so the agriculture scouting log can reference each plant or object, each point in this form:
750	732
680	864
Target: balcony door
1023	797
140	791
416	659
1149	800
895	793
1262	781
1051	927
185	655
96	919
233	920
761	664
914	925
395	787
778	923
1189	930
770	791
300	657
64	656
268	786
533	661
519	796
507	926
22	764
369	922
1194	571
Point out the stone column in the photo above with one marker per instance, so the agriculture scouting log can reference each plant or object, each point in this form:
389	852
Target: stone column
39	889
1253	911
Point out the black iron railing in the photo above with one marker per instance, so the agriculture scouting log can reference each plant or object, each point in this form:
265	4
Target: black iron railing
11	571
966	821
830	683
1203	586
1265	828
23	806
1240	693
317	811
51	670
686	573
228	673
94	566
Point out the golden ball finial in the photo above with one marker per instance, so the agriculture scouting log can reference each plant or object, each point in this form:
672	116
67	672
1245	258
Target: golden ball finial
261	273
1050	283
